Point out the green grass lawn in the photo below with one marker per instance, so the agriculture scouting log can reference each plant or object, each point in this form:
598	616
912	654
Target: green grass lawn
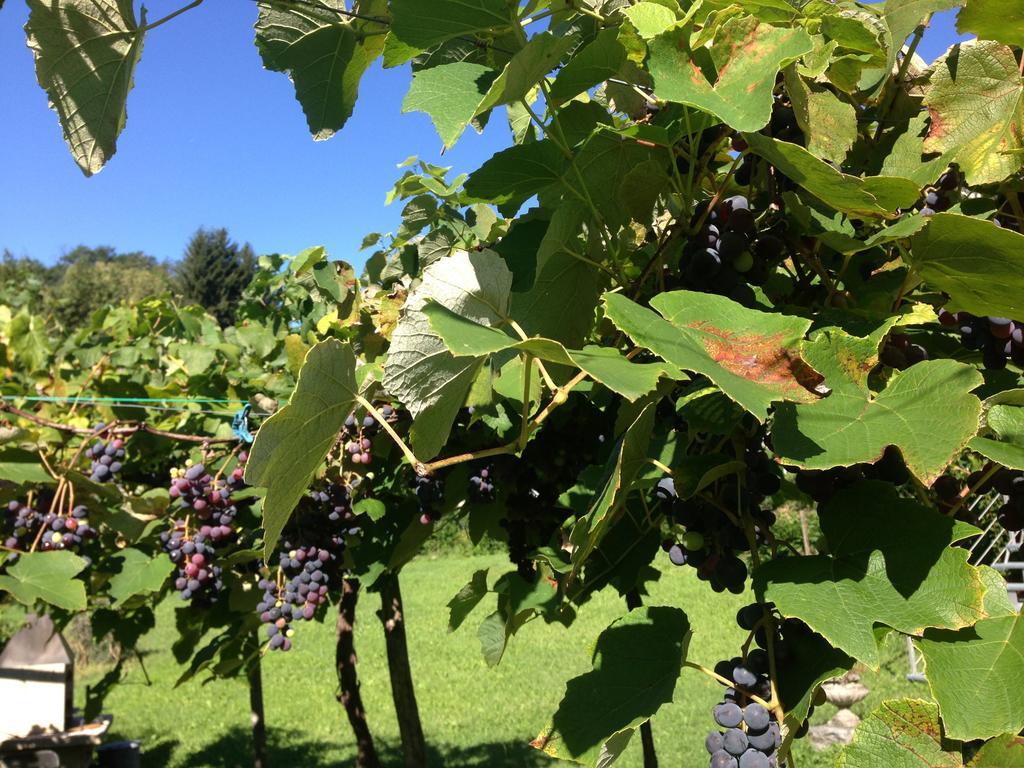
472	715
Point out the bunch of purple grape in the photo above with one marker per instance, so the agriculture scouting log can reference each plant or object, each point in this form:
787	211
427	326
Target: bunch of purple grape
481	485
728	253
310	563
358	435
998	338
712	541
59	530
107	458
208	499
197	578
429	491
192	544
944	195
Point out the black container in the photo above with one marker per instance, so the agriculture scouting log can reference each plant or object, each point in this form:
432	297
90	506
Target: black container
119	754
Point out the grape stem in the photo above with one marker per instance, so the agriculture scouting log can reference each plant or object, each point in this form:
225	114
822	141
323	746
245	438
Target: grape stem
728	683
540	363
524	432
908	57
967	492
386	426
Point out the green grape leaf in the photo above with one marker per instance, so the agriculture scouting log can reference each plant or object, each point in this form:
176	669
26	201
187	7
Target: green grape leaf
624	466
493	638
420	371
751	55
526	68
853	195
86	52
976	676
139	574
901	733
467	599
907	157
927	411
450	95
752	356
636	661
997	599
1006	751
561	302
453	94
992	20
622	178
975	99
813	662
649	19
600	59
464	338
291	444
419	25
517	173
980	265
47	576
871	576
829	123
324	55
1003	421
900	18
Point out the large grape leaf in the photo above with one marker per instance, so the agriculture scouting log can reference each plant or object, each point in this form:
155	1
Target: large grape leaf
1006	751
292	443
907	157
637	661
517	173
453	94
901	733
753	357
420	371
561	302
980	265
853	195
86	52
828	122
47	576
901	17
976	675
422	24
323	53
872	576
139	573
975	98
600	59
927	411
450	95
992	20
465	338
622	470
747	57
1003	425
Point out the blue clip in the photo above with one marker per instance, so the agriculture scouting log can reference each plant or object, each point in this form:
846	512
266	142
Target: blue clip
240	425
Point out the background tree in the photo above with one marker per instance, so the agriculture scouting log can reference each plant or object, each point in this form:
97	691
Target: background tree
215	272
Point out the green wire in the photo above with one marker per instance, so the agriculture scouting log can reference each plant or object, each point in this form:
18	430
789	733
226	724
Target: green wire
44	399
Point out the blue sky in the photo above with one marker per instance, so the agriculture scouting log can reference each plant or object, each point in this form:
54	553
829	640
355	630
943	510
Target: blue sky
214	140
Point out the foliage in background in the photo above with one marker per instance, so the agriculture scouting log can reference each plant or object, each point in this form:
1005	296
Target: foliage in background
214	272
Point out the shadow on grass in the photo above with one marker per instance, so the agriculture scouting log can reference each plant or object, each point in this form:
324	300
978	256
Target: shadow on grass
233	750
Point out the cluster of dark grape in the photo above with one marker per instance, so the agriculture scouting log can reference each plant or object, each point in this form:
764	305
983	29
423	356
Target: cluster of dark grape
944	195
481	485
822	484
750	734
358	435
59	530
729	254
712	541
574	439
900	352
208	523
107	458
310	563
1006	482
429	492
198	579
998	338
